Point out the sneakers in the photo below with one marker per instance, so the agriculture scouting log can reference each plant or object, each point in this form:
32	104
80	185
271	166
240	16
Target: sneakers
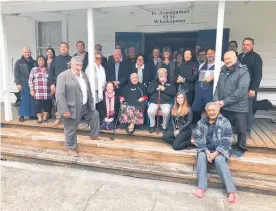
73	153
232	199
162	130
199	193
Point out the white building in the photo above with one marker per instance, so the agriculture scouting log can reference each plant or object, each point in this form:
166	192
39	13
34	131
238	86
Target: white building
24	23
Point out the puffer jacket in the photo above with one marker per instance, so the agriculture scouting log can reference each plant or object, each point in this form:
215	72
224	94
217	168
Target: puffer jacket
222	136
232	88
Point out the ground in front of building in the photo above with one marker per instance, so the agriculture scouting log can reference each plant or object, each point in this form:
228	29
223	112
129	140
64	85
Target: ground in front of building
37	187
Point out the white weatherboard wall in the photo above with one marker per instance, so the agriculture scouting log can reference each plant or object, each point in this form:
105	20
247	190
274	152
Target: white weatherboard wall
242	19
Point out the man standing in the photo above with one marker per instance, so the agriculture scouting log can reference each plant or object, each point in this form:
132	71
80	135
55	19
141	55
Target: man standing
131	56
202	56
213	139
99	48
117	70
233	46
119	47
153	62
74	100
231	96
81	52
59	64
254	64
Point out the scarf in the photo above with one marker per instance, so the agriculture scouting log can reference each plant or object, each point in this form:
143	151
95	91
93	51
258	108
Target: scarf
101	81
110	100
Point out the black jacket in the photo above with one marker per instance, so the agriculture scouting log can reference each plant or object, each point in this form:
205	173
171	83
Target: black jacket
101	107
254	63
187	70
182	123
153	69
22	70
123	75
131	93
147	78
171	72
59	64
85	61
165	96
104	62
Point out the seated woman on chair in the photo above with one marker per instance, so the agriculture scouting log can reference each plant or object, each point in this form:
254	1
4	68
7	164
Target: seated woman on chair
109	107
133	98
162	92
179	136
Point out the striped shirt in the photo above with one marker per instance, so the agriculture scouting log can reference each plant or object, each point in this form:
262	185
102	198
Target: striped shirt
38	81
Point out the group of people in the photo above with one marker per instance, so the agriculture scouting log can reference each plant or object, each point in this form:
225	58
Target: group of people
178	87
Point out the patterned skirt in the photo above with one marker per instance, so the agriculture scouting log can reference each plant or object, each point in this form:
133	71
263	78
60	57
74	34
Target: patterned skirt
131	114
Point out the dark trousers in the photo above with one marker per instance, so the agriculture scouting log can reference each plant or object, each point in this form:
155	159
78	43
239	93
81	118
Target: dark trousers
43	105
190	97
239	124
250	115
181	141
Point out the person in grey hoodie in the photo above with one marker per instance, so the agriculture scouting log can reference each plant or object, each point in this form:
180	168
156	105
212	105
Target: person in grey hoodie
59	64
232	96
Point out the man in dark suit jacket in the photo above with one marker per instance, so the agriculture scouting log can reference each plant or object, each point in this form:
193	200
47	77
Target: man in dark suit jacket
152	63
118	46
117	70
99	48
81	52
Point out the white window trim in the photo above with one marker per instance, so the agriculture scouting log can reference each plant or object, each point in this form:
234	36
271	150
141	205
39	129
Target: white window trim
45	17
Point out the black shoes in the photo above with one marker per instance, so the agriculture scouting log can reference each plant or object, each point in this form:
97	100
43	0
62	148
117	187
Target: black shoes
152	129
21	119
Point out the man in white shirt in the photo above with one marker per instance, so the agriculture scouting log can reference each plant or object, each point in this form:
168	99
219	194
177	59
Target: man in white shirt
74	102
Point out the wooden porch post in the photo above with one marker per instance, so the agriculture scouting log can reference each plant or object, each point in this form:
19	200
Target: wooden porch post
4	69
220	22
91	50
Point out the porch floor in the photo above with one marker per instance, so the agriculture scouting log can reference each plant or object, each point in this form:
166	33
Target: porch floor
263	133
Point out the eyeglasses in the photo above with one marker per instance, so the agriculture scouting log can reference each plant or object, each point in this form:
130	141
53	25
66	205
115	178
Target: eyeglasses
98	58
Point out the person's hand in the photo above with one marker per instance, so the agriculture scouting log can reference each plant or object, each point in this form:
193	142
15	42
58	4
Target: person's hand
180	79
175	133
141	99
32	93
208	155
67	115
221	103
53	88
162	88
116	84
251	93
19	87
209	79
214	155
158	88
122	99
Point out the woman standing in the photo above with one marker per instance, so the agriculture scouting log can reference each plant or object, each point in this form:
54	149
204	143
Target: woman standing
40	89
168	64
143	71
50	54
100	77
180	135
109	107
179	61
22	71
134	98
186	76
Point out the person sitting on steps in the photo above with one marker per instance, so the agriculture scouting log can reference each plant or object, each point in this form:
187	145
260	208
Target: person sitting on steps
213	139
180	135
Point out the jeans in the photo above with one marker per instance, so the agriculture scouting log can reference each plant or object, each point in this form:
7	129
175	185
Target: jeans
222	168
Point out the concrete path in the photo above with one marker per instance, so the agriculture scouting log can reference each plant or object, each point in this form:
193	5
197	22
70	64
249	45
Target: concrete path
34	187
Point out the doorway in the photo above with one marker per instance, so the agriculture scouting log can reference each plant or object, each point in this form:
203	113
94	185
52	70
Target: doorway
174	40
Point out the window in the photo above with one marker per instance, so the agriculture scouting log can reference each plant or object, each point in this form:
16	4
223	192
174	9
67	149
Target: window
49	34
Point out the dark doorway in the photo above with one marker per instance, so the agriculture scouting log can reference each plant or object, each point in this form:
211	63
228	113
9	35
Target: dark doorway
175	40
